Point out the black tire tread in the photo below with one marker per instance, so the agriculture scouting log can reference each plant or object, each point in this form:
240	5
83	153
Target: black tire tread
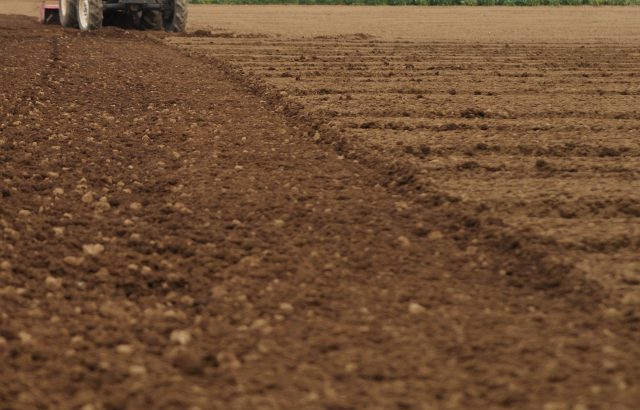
151	20
95	15
178	23
71	19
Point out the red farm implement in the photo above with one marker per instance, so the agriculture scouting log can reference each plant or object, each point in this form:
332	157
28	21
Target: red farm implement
50	12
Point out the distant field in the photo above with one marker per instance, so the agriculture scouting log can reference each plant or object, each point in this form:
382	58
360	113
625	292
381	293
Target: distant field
25	7
437	23
433	2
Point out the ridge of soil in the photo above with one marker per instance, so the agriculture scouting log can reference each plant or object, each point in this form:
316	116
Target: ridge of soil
170	240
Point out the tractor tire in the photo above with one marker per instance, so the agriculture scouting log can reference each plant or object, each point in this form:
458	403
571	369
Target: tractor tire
175	19
90	14
151	20
69	13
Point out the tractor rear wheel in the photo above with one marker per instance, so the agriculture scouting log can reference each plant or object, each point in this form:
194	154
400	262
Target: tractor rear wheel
151	20
175	18
90	14
69	13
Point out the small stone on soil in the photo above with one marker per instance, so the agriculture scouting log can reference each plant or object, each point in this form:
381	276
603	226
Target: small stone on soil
124	349
87	198
94	249
228	359
25	337
73	260
404	241
416	308
259	324
180	336
435	235
103	204
102	273
53	283
135	206
286	307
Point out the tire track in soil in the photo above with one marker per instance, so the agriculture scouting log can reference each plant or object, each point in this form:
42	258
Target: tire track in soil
244	266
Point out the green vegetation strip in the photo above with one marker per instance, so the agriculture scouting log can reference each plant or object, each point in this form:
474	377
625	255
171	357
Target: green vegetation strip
434	2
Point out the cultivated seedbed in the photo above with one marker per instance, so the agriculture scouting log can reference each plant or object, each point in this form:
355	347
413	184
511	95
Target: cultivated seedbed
541	135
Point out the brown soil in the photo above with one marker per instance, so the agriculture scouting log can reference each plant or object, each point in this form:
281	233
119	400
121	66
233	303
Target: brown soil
252	223
470	24
23	7
547	146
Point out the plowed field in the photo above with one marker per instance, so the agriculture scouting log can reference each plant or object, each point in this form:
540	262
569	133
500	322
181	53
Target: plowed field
237	218
544	138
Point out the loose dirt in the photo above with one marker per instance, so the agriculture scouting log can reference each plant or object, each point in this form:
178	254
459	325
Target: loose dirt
544	138
326	223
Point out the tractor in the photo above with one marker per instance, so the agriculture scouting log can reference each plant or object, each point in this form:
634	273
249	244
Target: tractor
88	15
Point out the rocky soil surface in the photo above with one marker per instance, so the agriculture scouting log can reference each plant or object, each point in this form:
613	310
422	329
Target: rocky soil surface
178	234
